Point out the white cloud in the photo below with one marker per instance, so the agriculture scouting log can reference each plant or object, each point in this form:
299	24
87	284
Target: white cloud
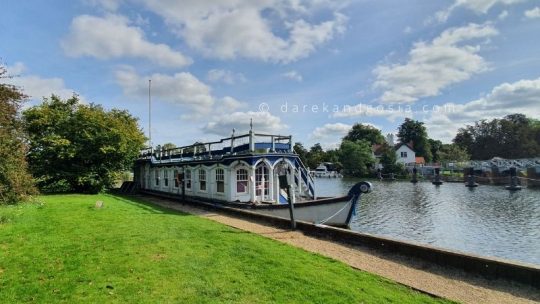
225	76
37	87
433	66
263	122
519	97
180	88
335	131
533	13
503	15
293	75
477	6
113	37
248	29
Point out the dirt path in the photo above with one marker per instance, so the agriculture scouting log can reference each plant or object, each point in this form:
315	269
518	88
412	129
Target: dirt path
451	284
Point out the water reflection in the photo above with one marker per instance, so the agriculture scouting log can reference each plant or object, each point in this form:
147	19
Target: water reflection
487	220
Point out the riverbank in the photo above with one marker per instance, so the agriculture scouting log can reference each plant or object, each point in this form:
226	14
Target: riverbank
430	278
67	250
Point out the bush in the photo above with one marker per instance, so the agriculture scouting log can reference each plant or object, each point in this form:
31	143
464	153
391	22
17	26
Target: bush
76	147
15	183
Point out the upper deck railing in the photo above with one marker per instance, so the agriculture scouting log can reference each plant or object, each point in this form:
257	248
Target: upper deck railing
243	144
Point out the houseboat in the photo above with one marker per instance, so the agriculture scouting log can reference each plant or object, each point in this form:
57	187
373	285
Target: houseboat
245	171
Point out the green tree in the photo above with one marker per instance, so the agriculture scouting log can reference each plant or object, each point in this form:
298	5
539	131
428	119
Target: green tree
452	153
435	146
315	156
356	157
365	132
301	151
168	146
389	161
16	184
78	147
413	131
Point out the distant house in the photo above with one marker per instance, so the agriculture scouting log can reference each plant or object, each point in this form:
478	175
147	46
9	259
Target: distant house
420	160
405	154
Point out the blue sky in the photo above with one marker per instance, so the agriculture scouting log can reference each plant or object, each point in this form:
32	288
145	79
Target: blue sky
306	68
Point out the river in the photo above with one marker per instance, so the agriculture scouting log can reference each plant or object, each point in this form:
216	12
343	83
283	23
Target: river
487	220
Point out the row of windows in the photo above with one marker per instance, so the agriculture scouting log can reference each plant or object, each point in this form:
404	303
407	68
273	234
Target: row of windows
241	180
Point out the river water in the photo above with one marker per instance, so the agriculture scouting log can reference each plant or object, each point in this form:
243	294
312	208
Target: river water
487	220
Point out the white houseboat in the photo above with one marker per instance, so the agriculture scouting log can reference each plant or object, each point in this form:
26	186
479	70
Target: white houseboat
243	172
322	171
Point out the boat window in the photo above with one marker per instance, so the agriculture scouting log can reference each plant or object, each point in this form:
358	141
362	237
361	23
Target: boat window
241	180
220	180
188	179
403	154
176	181
202	180
261	180
156	174
166	178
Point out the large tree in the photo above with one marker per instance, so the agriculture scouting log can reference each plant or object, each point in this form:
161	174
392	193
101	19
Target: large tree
514	136
365	132
301	151
413	131
15	183
389	160
435	147
315	156
79	147
356	157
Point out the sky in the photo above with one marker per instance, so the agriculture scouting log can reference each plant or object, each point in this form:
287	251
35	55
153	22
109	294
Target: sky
310	69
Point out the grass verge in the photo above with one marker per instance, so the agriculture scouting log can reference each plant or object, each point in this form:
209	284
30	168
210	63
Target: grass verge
66	250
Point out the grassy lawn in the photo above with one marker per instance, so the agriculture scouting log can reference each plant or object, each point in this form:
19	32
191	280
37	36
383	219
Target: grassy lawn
65	250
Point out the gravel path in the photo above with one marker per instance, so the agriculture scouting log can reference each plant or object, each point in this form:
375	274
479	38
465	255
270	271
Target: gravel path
447	283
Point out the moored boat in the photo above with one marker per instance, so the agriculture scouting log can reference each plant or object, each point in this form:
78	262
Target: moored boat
244	172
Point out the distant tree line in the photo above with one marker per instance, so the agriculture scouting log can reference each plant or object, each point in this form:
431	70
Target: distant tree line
514	136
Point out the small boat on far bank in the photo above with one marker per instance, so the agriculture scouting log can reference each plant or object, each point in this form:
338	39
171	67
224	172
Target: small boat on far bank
244	172
325	170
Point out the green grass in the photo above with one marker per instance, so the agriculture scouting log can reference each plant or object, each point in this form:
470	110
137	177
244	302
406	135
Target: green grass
65	250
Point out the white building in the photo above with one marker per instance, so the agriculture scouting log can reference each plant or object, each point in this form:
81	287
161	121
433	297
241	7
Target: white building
405	154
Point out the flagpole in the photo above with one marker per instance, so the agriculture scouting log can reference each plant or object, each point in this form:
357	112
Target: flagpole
150	112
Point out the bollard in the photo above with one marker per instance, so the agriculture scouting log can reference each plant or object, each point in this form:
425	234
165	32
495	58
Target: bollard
514	184
470	178
437	181
284	184
414	179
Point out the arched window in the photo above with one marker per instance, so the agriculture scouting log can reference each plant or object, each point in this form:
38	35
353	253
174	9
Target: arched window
156	174
220	180
261	180
202	180
166	178
241	181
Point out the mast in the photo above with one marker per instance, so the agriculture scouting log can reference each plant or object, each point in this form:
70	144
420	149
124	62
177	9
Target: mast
150	112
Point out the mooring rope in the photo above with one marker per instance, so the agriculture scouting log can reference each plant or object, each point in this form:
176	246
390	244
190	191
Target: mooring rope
327	219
